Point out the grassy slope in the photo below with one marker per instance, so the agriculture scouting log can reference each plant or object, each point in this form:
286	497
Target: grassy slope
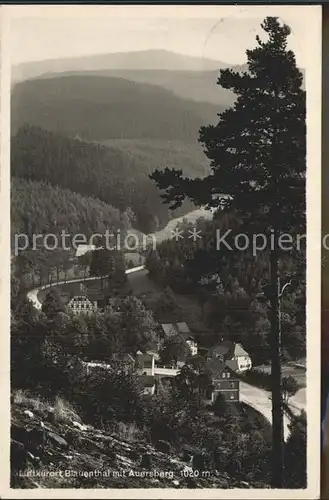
82	450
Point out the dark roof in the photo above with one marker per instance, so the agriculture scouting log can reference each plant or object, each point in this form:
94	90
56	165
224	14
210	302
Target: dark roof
183	328
203	350
225	348
169	328
122	357
228	349
216	367
179	328
81	297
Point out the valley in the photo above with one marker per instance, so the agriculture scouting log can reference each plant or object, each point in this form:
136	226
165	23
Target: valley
163	347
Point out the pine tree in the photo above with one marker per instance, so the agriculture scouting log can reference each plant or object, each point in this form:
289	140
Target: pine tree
258	157
52	304
102	264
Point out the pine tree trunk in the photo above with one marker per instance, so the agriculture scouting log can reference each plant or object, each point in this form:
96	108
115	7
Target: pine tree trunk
277	407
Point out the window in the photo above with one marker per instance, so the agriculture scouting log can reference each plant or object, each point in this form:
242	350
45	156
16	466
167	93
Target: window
228	375
224	375
232	385
232	396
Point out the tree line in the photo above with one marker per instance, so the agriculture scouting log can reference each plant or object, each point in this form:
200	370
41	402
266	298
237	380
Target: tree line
104	173
231	286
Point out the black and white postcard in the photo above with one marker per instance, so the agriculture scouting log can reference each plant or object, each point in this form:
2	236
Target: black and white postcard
161	242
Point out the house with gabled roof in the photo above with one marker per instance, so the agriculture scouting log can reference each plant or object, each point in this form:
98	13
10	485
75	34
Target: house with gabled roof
81	304
231	353
225	384
182	329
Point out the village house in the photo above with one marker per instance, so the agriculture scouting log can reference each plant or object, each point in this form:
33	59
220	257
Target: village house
225	383
149	368
145	363
80	304
232	354
148	363
182	329
83	249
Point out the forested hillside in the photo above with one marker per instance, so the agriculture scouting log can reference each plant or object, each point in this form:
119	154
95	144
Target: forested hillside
149	153
199	86
231	286
39	208
115	177
99	107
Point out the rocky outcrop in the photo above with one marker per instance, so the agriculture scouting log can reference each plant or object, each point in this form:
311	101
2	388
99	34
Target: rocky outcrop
47	452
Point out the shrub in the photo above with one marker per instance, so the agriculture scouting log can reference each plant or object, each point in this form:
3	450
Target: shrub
187	454
164	447
199	461
127	431
21	397
146	461
105	396
63	411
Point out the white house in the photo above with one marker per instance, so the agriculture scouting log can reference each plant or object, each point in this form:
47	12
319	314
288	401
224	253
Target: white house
147	364
80	304
82	249
146	368
233	354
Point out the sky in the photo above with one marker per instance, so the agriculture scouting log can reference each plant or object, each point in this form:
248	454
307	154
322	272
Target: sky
222	33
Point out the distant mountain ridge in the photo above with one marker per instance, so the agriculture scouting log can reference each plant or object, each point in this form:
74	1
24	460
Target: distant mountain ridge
193	78
199	86
101	108
139	60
